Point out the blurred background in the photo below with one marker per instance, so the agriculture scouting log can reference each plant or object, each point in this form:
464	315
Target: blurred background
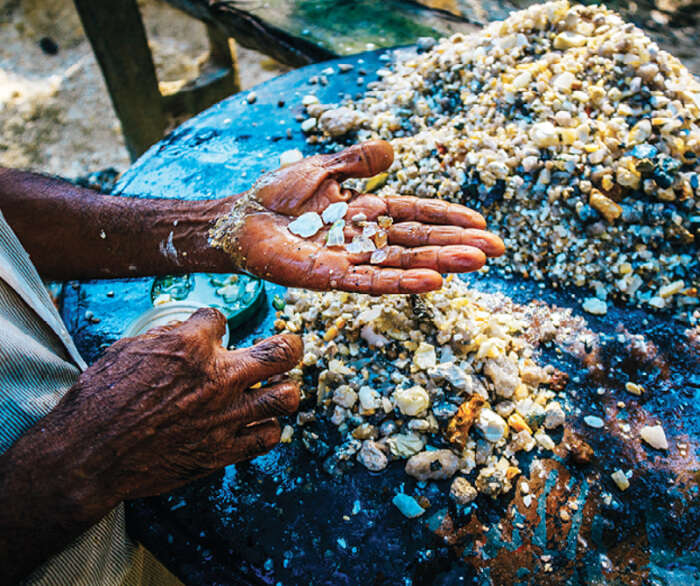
55	111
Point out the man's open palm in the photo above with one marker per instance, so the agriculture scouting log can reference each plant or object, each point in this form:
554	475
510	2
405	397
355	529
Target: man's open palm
427	237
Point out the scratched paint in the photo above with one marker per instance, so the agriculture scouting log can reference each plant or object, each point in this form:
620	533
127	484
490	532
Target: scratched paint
655	522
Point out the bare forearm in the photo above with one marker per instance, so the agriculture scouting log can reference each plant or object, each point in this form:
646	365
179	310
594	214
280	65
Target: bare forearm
44	503
71	232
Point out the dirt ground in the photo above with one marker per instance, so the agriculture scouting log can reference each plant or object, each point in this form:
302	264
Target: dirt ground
55	113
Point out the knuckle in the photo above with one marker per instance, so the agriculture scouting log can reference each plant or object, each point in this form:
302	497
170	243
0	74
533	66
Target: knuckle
285	349
283	400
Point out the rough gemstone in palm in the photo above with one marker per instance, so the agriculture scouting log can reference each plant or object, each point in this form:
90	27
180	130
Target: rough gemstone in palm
360	244
306	225
370	229
378	256
334	212
336	237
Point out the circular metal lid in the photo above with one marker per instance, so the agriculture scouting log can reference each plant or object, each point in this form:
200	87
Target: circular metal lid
165	314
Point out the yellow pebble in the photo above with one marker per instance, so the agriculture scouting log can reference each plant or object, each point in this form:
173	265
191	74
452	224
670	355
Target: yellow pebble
634	388
607	207
517	423
375	182
331	333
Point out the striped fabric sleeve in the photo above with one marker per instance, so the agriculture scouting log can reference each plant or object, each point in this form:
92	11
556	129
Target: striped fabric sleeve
38	364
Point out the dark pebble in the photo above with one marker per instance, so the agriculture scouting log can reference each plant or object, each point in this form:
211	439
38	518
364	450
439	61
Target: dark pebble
630	215
595	229
48	45
662	179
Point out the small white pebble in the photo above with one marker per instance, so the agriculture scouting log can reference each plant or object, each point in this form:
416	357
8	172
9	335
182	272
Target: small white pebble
654	435
370	229
593	421
308	125
595	306
658	302
251	97
360	244
309	99
287	433
290	156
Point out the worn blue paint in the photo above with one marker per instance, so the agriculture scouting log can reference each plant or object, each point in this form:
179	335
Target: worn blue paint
222	151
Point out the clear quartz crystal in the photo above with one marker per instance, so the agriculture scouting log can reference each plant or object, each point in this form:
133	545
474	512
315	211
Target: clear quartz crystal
306	225
336	237
378	256
370	229
360	244
334	212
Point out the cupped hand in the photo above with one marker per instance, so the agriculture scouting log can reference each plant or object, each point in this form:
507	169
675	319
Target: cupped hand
171	405
427	236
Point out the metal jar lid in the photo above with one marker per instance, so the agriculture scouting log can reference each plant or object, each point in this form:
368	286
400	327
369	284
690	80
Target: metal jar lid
165	314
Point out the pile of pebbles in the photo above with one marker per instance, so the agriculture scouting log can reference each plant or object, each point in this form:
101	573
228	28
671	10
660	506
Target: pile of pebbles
447	381
569	129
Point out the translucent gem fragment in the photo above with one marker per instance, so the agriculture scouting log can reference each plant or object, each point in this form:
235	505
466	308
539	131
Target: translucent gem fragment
306	225
336	237
334	212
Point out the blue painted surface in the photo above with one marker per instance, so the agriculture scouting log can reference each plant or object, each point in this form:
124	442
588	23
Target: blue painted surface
286	507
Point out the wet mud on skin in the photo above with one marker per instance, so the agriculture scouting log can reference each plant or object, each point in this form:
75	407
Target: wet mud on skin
282	518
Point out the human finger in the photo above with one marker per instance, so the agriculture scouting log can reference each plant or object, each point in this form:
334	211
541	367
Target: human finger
402	208
361	160
443	259
272	356
328	192
268	401
417	234
205	321
249	442
158	330
382	281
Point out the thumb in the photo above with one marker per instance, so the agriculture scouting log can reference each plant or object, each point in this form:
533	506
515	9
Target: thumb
206	321
361	160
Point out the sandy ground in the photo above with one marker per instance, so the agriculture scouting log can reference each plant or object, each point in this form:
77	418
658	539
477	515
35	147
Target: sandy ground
55	113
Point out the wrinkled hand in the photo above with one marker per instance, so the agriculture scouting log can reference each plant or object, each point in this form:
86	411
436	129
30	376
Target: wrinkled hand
427	237
172	405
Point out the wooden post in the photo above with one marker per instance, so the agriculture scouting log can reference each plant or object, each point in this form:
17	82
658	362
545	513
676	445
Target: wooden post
118	38
217	79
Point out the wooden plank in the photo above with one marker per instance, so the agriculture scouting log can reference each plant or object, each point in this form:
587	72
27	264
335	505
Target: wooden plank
218	79
118	38
298	32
